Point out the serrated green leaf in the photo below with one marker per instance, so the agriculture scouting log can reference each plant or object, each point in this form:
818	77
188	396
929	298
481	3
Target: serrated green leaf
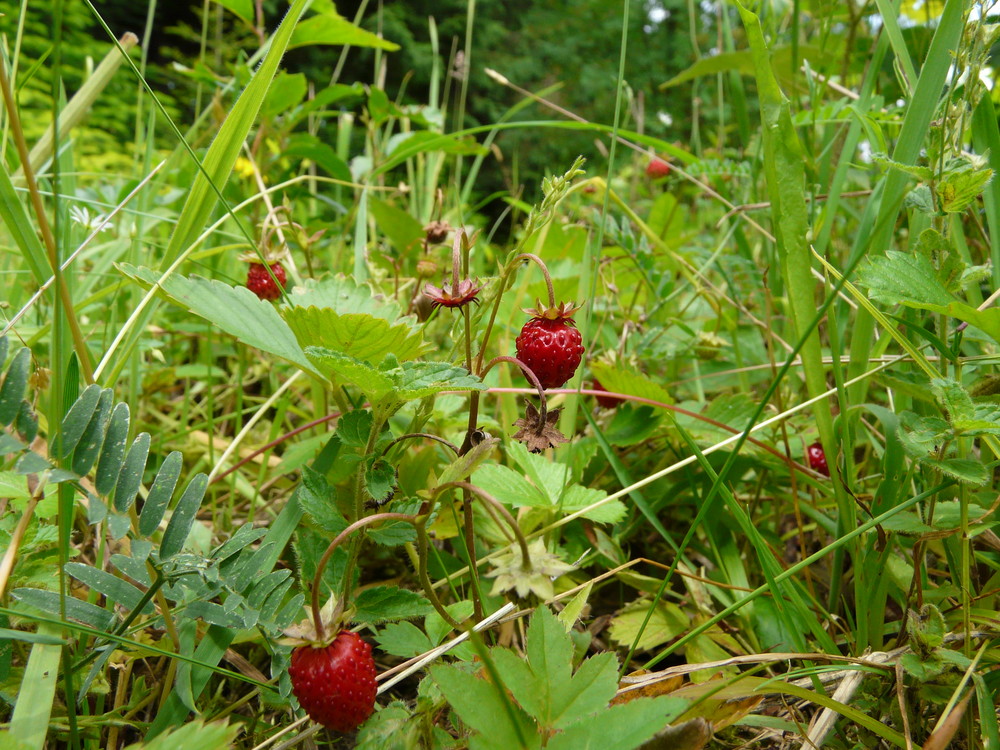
393	533
160	494
382	603
958	189
549	647
509	487
380	481
920	436
901	278
964	470
354	427
530	690
318	500
331	28
589	691
421	379
343	294
954	399
578	497
667	622
571	612
626	725
346	370
182	518
483	707
925	174
112	458
921	199
943	257
14	384
305	146
435	626
358	335
235	310
403	639
130	476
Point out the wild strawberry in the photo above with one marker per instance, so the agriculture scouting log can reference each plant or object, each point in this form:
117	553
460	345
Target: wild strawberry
259	281
335	684
605	402
817	459
657	168
550	345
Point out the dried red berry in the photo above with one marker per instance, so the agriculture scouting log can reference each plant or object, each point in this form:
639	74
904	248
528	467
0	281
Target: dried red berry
335	684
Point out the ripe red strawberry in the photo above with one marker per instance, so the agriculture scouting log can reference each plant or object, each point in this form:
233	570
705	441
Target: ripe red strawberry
605	402
817	459
550	345
657	168
259	281
335	684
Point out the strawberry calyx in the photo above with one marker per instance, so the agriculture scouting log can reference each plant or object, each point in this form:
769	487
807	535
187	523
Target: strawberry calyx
562	312
453	295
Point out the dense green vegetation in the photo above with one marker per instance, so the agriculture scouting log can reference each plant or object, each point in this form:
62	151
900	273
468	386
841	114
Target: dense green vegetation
269	371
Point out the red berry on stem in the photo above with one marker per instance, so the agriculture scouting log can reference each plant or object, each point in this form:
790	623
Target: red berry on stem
335	684
550	345
605	402
817	459
259	281
657	168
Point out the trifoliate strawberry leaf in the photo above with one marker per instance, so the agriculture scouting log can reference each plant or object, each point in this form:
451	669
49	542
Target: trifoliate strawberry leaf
344	295
235	310
359	335
382	603
911	280
421	379
346	370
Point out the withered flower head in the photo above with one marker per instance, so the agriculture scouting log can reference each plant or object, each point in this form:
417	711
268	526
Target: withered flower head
538	435
437	232
445	296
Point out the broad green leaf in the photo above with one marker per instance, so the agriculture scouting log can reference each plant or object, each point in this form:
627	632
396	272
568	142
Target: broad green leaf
242	8
380	481
530	690
318	500
354	427
404	232
509	487
626	725
960	188
925	174
192	735
343	369
667	622
954	399
589	691
235	310
182	518
578	497
393	533
901	278
361	336
965	470
629	382
549	648
343	294
305	146
403	639
421	379
288	91
381	603
331	28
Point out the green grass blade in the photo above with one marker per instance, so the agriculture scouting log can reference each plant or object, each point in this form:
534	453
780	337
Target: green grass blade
29	724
